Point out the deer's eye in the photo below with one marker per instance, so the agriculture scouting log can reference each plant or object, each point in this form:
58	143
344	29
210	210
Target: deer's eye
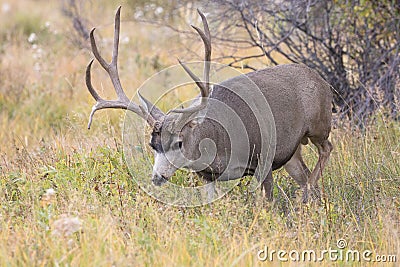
178	145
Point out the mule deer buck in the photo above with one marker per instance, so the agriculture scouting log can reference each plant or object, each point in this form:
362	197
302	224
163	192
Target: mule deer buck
300	101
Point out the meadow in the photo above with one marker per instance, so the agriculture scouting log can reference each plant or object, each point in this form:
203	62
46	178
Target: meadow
68	199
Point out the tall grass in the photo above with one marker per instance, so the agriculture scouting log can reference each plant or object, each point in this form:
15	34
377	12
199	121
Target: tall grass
45	144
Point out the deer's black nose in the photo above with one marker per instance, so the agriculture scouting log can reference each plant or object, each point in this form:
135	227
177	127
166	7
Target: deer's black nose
159	180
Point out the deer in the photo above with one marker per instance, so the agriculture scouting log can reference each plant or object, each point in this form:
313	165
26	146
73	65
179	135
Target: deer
299	99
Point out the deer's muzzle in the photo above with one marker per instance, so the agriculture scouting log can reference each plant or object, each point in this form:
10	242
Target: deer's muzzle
158	180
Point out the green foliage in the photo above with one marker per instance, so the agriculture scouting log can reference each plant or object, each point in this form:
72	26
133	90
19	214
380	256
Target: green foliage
26	23
360	202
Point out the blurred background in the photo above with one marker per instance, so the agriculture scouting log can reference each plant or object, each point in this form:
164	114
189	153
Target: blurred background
354	45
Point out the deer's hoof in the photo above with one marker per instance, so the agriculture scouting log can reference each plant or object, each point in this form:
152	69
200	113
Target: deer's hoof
311	194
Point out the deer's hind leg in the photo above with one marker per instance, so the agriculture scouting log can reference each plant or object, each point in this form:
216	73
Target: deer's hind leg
324	150
298	170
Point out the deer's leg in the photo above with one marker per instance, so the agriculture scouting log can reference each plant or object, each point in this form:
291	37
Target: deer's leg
211	191
324	150
267	186
297	169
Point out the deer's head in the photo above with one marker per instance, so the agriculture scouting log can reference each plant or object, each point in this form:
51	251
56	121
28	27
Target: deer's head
172	133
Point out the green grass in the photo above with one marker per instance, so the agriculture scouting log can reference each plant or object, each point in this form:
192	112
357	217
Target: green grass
45	144
122	224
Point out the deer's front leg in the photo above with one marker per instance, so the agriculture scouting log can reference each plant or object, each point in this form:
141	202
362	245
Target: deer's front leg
267	186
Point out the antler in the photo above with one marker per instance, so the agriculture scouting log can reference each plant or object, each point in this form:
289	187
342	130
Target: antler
203	85
122	102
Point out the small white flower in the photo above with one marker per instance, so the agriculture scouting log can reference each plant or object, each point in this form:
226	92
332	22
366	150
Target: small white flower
32	38
38	53
49	195
125	40
50	192
36	67
158	10
66	226
138	14
5	8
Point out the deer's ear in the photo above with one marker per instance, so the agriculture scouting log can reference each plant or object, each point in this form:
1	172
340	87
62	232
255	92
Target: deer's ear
195	122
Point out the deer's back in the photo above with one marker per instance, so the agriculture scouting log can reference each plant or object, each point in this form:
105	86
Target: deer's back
300	101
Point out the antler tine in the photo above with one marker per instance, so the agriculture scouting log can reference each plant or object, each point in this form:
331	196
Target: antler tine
102	104
112	67
197	80
117	27
122	102
205	84
92	91
206	37
95	51
89	85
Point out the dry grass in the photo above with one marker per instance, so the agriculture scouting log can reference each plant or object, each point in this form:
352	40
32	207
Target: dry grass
45	145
